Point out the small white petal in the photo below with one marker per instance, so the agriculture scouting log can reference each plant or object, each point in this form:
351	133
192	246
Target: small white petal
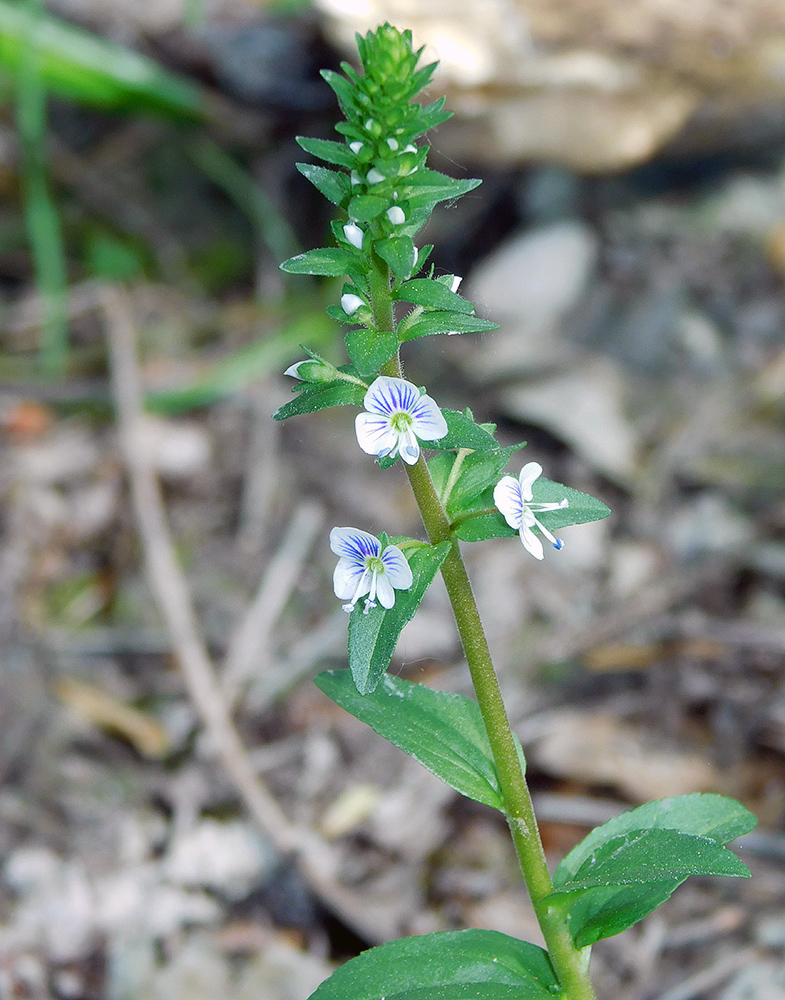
387	395
396	215
411	148
350	303
393	144
369	123
292	370
530	472
346	580
374	434
408	447
354	235
397	568
384	591
355	178
352	543
355	147
531	542
428	420
507	497
374	176
456	283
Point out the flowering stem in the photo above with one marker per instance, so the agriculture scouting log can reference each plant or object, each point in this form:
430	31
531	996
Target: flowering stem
570	963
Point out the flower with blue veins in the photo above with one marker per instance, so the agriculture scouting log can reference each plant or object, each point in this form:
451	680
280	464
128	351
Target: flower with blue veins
397	415
515	500
365	567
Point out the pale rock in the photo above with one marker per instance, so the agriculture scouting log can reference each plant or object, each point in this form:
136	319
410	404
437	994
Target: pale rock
281	972
707	525
177	449
585	407
226	857
68	452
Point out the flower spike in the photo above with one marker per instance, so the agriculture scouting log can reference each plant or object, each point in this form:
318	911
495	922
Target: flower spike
364	567
397	415
514	499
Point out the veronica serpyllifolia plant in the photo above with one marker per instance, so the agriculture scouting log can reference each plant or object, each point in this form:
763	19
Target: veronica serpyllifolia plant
384	193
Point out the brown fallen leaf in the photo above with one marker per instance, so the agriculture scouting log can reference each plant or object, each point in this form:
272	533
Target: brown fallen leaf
599	749
107	712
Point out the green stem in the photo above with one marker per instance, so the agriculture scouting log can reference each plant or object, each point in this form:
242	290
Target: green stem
570	963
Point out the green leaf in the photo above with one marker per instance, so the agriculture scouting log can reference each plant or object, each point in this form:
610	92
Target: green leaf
480	520
702	815
327	150
432	115
364	207
368	350
478	471
427	292
447	965
652	856
598	912
373	637
398	253
441	730
334	186
463	432
81	66
319	397
426	188
330	262
444	321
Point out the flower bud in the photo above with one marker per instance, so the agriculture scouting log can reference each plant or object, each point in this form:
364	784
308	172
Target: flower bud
350	303
312	371
353	234
396	215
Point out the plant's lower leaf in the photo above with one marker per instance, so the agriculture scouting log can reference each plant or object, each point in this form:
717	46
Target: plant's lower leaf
373	636
608	910
624	869
703	815
368	350
447	965
441	730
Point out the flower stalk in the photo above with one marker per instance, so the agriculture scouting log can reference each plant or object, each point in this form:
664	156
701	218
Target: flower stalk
570	963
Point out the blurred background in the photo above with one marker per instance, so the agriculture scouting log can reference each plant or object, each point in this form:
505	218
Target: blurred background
162	748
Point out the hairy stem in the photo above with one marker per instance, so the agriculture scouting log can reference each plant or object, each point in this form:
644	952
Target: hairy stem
569	962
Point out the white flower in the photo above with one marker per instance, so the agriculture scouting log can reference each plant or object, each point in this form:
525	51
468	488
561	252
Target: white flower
396	215
374	176
353	234
365	568
397	416
350	303
513	497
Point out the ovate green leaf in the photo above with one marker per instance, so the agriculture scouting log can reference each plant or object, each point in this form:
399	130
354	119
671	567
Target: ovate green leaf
334	186
441	730
330	262
447	965
368	350
373	637
427	292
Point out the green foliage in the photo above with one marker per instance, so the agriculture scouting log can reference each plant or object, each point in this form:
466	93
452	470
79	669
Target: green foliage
463	432
441	730
479	520
323	395
424	324
373	636
429	292
331	262
447	965
624	869
368	351
79	65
